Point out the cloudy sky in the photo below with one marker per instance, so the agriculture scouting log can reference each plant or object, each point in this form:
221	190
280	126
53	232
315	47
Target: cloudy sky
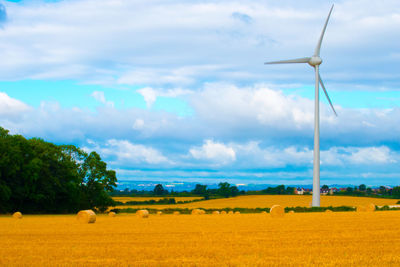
177	90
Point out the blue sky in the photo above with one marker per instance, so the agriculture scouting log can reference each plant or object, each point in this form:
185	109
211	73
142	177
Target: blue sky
177	90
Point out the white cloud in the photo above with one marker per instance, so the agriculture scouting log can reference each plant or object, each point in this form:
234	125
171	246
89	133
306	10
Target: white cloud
138	125
150	94
11	107
227	104
214	152
99	96
182	42
127	153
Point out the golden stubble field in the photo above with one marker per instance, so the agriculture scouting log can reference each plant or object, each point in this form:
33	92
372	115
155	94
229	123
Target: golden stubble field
323	239
267	201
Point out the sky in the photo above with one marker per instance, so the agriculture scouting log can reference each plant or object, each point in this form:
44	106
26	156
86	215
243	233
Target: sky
177	90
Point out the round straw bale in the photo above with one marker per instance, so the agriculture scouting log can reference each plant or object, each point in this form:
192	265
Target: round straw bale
263	212
291	211
176	213
328	210
198	212
159	213
17	215
216	212
277	211
112	214
237	212
230	212
143	213
86	216
370	207
223	212
361	209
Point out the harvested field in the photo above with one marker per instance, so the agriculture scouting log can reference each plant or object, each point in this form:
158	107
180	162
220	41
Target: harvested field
267	201
336	238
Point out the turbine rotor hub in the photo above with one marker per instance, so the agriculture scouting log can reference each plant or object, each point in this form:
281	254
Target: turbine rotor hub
315	61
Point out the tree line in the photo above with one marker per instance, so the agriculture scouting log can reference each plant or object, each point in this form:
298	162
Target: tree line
41	177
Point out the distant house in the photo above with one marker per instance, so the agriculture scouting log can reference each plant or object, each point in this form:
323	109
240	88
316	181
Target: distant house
324	191
299	191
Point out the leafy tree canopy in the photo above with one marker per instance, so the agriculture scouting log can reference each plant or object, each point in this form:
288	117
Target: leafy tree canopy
41	177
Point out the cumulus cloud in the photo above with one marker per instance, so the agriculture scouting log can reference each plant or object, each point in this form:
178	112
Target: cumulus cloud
100	97
150	94
125	153
138	124
11	107
214	152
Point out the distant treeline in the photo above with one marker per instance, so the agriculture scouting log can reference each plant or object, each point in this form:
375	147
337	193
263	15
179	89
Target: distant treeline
364	191
224	190
40	177
163	201
227	190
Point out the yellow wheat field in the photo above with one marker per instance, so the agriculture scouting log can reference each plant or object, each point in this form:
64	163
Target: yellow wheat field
267	201
126	199
323	239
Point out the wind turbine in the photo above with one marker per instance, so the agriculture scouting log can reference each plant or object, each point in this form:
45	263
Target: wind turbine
314	61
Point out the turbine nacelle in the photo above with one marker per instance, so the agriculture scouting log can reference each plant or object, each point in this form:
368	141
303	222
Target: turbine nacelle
315	61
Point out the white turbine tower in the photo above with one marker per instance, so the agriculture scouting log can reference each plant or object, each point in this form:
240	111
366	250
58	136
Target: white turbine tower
314	61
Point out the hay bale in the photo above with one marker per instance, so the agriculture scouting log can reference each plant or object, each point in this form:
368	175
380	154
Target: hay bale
361	209
215	212
291	211
17	215
112	214
230	212
277	211
159	213
86	216
263	212
328	210
237	212
370	207
176	213
142	213
223	212
198	212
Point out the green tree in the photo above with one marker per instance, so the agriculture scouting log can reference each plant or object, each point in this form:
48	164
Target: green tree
38	176
159	190
200	189
396	191
325	187
362	187
349	190
97	181
224	189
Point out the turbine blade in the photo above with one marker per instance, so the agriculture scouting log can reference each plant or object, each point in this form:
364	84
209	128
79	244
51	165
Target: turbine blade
296	60
318	48
326	93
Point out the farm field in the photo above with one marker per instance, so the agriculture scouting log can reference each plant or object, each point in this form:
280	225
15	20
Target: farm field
267	201
326	239
126	199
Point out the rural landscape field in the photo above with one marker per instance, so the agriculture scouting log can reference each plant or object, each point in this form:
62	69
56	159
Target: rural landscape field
324	239
199	133
263	201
